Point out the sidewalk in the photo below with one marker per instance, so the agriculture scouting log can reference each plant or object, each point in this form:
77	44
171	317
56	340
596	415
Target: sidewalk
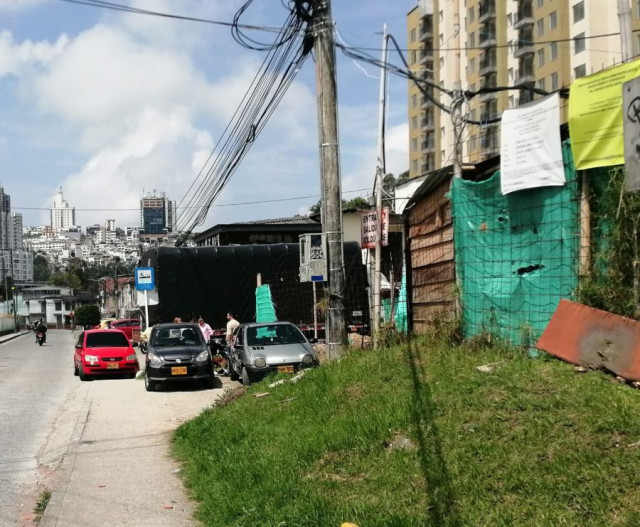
117	469
11	336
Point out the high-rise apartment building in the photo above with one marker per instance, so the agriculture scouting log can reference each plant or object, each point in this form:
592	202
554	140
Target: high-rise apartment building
63	217
485	44
15	261
157	214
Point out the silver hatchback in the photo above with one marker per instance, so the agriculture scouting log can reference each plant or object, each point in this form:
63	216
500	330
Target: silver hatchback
263	348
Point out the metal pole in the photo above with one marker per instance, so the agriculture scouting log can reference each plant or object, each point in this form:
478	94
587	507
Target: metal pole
315	312
380	171
330	174
146	308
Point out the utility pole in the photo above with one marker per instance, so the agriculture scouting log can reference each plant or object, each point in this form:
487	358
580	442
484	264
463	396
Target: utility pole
380	172
624	18
336	334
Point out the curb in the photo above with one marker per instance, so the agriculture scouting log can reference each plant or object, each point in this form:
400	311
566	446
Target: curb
11	336
52	512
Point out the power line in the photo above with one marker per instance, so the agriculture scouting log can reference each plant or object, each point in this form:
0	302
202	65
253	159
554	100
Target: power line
128	9
291	198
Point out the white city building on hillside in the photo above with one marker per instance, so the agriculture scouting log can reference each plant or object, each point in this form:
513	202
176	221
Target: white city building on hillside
63	216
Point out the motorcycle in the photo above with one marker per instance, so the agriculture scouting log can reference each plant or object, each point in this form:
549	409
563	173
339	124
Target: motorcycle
220	357
40	338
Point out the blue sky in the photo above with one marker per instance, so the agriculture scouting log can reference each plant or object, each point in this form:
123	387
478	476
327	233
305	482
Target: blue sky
110	105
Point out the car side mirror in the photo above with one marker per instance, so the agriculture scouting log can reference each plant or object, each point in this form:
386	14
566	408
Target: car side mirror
78	346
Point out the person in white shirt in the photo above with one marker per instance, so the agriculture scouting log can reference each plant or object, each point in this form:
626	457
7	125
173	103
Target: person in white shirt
232	325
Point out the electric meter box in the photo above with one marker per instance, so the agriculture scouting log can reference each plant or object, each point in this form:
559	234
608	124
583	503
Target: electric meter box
313	257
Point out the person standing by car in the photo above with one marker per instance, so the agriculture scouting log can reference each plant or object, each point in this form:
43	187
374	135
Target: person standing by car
206	330
232	325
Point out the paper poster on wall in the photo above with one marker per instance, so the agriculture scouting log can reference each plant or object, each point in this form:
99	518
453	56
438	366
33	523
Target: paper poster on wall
530	146
595	117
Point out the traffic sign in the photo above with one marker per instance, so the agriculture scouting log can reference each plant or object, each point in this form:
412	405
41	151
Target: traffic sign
145	278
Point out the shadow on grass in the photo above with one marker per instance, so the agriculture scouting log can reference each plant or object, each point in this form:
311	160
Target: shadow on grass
442	511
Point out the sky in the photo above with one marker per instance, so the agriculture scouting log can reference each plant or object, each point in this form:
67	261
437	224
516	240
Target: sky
111	105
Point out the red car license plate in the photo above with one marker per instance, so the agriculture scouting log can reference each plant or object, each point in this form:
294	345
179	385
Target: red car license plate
285	369
179	370
112	365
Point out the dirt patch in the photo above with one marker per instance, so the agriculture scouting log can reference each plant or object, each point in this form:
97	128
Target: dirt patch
230	395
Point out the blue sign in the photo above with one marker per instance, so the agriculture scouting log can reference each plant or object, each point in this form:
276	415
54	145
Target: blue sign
317	278
145	278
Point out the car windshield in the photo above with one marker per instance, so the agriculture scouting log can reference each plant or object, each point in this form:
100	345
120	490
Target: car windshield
176	336
274	335
107	339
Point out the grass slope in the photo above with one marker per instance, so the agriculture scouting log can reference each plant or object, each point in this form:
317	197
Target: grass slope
532	443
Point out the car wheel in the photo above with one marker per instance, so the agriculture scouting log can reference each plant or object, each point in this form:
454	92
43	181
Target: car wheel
233	374
150	386
246	381
75	369
83	376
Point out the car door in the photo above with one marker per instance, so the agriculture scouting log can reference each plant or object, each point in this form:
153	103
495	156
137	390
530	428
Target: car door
238	347
77	356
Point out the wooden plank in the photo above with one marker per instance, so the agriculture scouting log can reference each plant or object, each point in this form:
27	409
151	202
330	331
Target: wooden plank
441	272
441	292
436	237
432	255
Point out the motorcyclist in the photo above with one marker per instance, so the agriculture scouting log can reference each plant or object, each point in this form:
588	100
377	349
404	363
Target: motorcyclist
41	328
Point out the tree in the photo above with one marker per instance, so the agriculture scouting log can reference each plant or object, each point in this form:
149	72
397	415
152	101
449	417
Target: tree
41	269
358	202
87	315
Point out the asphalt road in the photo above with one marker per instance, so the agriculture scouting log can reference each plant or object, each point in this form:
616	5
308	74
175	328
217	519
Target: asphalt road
35	384
100	447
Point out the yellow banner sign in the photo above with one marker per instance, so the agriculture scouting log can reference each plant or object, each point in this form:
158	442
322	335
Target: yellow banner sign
595	117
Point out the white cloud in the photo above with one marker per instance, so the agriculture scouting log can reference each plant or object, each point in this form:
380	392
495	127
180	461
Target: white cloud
16	58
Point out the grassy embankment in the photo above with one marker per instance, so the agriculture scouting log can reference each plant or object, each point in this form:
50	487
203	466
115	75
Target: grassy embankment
532	443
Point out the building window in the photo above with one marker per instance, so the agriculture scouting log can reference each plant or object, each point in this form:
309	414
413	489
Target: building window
441	63
578	12
580	71
413	35
414	101
471	14
473	143
509	20
442	131
414	122
443	156
414	166
441	39
541	57
540	27
414	144
472	40
441	15
472	66
541	84
554	51
510	75
578	42
554	81
553	21
512	101
540	3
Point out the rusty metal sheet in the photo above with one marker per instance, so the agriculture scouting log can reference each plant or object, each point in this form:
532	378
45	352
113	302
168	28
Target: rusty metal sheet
594	338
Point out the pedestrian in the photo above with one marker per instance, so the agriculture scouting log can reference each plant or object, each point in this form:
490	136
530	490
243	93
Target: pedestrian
232	325
109	325
206	330
177	320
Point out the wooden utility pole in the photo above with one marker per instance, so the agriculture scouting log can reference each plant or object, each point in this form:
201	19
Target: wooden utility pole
336	335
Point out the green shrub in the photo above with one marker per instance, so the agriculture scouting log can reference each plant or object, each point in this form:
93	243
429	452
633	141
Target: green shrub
87	315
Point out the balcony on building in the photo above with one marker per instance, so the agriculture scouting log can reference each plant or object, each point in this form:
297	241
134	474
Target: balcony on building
524	15
488	38
427	145
426	29
426	56
524	47
488	62
526	75
490	142
526	96
428	164
487	10
427	124
490	81
426	102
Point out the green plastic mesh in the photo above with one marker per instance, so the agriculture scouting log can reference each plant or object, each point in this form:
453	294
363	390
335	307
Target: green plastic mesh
265	310
516	255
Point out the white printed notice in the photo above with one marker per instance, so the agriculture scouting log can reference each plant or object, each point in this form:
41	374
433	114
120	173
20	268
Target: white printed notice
530	147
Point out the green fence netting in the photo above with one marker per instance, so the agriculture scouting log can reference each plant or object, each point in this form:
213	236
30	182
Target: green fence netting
516	255
265	310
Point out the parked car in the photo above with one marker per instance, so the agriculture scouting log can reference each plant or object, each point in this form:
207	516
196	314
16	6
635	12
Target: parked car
104	351
263	348
177	352
126	325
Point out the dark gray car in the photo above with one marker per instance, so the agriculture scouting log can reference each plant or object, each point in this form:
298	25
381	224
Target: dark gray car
177	352
263	348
